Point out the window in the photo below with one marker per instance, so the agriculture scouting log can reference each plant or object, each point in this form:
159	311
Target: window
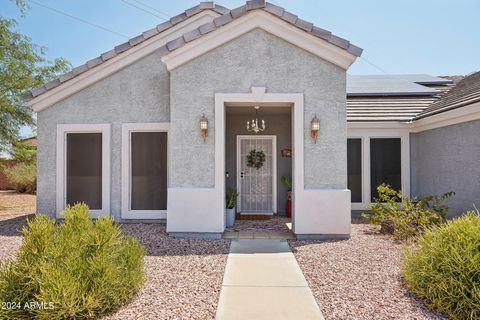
144	170
149	171
385	164
83	167
354	165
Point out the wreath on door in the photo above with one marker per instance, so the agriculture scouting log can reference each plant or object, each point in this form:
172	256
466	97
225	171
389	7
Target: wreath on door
256	159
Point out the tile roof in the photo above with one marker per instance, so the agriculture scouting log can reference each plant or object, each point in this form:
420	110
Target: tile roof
272	9
125	46
226	17
398	106
465	92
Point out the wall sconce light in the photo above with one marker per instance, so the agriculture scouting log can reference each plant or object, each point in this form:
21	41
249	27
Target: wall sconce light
204	127
315	128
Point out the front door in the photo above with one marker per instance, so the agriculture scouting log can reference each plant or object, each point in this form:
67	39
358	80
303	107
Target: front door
256	186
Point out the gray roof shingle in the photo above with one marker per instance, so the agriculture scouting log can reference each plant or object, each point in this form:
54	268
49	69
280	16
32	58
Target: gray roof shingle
226	17
465	92
125	46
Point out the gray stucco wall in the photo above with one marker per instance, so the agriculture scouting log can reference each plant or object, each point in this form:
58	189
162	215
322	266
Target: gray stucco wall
137	93
448	159
258	59
277	125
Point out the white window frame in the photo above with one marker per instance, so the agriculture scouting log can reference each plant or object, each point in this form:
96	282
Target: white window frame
366	135
61	186
127	129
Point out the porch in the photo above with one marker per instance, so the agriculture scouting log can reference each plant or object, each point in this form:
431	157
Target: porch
258	227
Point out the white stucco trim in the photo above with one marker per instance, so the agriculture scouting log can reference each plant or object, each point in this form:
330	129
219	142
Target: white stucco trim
273	139
448	118
62	130
127	129
366	135
119	62
269	23
258	96
379	125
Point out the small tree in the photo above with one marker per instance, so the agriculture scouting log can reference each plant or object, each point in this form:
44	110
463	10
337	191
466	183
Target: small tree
22	67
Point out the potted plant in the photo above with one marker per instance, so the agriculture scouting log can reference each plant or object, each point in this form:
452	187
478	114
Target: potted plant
230	207
287	182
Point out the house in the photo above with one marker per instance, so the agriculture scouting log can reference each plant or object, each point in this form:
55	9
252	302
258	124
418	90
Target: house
160	126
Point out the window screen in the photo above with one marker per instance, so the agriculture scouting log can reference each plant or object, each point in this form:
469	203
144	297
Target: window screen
354	164
84	169
385	164
149	171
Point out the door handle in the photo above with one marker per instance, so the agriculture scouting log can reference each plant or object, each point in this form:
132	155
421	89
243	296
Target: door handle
242	174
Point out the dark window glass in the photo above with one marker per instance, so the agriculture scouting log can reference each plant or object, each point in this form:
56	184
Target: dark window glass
385	164
84	169
149	171
354	164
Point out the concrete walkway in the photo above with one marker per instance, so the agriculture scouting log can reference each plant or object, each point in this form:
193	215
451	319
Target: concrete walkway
263	281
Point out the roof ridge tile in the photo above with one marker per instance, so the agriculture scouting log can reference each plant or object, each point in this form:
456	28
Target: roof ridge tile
226	17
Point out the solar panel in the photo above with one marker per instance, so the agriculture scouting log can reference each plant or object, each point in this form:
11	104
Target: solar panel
384	85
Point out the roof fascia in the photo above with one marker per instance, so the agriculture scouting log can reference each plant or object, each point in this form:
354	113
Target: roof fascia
267	22
119	62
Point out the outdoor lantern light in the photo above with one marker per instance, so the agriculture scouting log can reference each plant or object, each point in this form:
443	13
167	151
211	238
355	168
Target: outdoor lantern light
315	128
204	127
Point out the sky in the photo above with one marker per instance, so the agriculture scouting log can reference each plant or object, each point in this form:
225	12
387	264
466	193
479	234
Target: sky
437	37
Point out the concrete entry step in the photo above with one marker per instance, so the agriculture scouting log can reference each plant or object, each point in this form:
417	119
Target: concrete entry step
263	281
259	235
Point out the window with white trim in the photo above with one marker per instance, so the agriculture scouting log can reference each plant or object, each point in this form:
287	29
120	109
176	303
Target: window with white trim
382	156
144	170
83	167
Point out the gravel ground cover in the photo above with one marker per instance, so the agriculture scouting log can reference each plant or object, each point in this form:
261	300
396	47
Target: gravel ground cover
358	278
16	204
276	224
15	208
184	276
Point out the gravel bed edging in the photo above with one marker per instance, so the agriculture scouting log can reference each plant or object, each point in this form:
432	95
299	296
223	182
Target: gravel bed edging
359	278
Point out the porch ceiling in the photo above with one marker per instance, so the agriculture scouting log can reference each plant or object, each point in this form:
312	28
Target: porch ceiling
264	110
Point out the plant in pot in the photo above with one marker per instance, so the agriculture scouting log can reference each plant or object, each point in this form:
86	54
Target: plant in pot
287	182
230	207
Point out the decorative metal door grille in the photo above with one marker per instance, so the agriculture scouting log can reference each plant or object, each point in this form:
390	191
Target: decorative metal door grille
256	186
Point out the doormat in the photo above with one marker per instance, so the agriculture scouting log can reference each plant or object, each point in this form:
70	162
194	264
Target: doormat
253	216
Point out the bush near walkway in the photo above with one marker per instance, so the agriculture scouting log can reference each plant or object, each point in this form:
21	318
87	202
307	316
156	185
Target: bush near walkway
77	269
406	217
444	267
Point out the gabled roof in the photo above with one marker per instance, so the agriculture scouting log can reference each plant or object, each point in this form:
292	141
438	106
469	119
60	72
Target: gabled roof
277	11
227	17
203	6
466	92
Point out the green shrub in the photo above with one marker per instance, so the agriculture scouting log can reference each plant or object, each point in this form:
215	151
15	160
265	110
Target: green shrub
404	217
443	268
22	176
85	269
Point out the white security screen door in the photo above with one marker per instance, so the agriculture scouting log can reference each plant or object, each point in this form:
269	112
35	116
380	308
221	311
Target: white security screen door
256	187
